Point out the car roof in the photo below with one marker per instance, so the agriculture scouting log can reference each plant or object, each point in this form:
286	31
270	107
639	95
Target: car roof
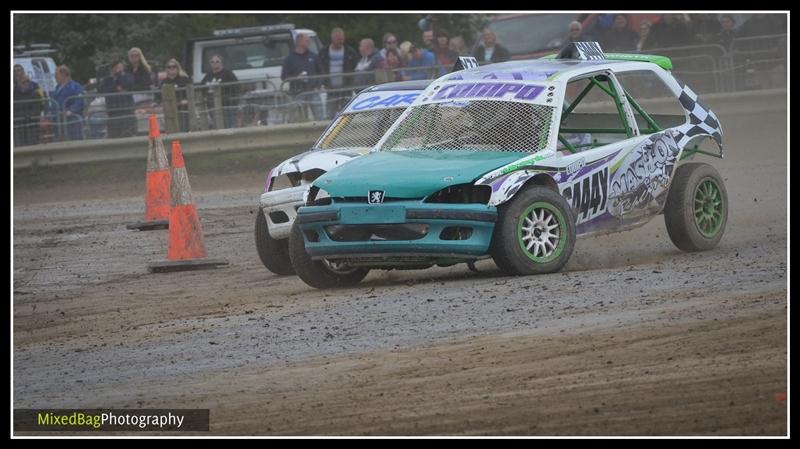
556	70
399	85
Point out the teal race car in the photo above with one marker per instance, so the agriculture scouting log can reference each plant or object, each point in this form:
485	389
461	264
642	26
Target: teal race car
513	161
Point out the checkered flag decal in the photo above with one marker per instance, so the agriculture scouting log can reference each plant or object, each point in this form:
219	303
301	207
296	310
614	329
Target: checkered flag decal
465	62
701	119
589	50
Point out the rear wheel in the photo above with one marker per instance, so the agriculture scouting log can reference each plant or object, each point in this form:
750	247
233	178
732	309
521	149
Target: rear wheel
320	273
274	254
696	210
535	233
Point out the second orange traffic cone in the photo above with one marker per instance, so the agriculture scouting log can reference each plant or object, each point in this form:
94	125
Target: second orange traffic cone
156	200
186	234
185	247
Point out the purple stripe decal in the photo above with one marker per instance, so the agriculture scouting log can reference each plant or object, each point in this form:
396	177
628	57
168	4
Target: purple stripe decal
593	166
604	221
498	183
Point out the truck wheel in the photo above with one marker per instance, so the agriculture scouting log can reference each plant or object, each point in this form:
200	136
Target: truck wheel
320	273
274	254
535	233
696	210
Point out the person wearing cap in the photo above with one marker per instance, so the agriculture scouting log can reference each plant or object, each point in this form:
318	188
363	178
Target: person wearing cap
119	103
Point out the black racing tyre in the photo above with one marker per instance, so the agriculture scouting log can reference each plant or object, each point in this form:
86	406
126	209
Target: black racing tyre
534	234
274	254
317	273
696	210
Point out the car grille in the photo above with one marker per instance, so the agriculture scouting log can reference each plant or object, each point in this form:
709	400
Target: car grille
372	232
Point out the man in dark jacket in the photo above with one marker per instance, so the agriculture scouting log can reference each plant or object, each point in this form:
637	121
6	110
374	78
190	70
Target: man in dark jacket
671	31
28	106
337	59
491	51
303	67
371	60
727	33
178	78
220	75
619	37
119	106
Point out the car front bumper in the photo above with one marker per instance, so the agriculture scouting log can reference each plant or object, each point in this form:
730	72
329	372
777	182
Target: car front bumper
398	231
280	209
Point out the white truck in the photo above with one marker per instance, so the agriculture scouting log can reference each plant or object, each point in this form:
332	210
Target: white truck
254	53
37	62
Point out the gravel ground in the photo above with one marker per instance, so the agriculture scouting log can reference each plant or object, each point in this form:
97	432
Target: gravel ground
633	337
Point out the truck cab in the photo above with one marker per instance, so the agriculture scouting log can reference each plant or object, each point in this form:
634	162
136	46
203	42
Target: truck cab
254	53
37	61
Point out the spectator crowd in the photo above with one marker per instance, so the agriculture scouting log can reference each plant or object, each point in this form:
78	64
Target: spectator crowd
642	32
327	80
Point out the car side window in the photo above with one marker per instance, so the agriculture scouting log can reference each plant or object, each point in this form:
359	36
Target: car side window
654	105
592	115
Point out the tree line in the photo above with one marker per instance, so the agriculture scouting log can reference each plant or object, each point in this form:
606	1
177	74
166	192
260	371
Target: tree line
86	41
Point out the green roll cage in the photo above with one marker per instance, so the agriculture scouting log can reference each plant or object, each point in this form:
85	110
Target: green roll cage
611	91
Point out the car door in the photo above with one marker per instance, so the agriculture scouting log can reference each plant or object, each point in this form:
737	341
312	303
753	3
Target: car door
597	128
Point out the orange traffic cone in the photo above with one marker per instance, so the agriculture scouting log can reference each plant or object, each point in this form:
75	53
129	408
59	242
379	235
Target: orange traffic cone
156	200
185	247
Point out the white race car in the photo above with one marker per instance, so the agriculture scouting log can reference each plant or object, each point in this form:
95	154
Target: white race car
352	133
515	160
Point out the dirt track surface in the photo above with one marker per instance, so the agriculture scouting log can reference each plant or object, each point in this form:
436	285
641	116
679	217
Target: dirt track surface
633	338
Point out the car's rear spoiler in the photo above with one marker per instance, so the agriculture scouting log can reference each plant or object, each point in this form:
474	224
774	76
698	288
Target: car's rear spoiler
592	50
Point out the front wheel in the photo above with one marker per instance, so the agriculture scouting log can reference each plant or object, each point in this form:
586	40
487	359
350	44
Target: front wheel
320	273
274	254
534	234
696	210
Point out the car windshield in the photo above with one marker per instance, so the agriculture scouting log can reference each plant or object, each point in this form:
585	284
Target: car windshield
482	125
532	33
358	130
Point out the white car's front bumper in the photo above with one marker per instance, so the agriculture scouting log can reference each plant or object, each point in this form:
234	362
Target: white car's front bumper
280	209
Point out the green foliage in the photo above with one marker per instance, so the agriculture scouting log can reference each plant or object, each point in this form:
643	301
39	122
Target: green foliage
85	41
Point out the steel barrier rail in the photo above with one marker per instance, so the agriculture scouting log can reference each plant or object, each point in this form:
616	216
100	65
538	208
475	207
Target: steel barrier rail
693	70
30	127
716	52
769	41
95	104
261	138
764	52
